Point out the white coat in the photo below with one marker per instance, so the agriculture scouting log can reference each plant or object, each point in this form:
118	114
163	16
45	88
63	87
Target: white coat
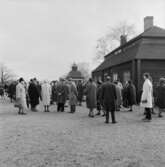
21	95
46	93
147	94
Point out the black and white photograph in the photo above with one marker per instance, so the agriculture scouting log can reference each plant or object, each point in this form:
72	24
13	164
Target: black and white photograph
82	83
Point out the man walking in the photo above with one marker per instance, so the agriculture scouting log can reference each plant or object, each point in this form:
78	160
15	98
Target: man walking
109	98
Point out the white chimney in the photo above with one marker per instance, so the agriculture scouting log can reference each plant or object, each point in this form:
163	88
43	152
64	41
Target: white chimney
148	22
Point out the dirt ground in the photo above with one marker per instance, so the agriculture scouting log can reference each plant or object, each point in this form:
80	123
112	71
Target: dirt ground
74	140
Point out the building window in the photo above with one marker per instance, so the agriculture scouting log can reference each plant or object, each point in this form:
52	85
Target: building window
126	76
115	76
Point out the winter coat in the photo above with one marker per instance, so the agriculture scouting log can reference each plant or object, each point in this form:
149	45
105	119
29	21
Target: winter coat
147	94
108	95
91	91
119	95
131	94
34	94
21	95
80	89
46	93
62	92
72	94
160	96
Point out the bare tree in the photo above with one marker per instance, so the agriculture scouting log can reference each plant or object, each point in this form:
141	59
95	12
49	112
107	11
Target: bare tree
6	75
112	39
122	28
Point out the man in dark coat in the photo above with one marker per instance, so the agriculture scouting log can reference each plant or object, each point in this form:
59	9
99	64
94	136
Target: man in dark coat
61	95
109	98
131	94
34	94
80	89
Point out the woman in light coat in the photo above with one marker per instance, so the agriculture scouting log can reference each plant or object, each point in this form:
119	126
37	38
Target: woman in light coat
21	97
147	97
46	95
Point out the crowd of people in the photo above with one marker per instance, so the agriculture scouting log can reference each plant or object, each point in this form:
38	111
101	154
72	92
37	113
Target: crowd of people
104	97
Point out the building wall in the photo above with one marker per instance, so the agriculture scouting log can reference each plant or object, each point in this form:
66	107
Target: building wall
122	72
156	68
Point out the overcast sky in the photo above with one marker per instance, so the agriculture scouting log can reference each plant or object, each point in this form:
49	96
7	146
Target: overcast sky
42	38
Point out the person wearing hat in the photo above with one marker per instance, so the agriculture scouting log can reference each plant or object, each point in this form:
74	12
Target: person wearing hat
109	97
61	95
21	97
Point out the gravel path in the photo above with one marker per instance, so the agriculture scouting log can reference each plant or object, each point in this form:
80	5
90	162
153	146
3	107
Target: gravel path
74	140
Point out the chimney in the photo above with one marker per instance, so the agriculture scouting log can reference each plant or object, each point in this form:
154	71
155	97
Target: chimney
148	22
123	39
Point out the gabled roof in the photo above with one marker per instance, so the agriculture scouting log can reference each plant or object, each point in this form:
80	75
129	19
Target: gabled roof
154	32
75	75
136	49
151	32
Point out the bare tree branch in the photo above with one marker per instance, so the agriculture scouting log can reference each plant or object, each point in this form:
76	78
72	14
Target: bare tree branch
112	38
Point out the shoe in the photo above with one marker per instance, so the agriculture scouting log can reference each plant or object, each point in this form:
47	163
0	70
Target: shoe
160	116
23	113
114	122
107	122
98	113
103	115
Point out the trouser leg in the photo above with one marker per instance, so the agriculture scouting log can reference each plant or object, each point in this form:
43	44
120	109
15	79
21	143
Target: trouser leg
107	116
58	107
113	116
148	113
62	107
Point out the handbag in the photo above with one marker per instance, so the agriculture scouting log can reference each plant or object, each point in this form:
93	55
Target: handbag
17	103
144	101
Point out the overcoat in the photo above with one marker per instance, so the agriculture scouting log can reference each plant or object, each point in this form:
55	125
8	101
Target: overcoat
21	95
91	91
109	96
160	96
34	94
61	92
147	94
72	94
46	93
80	89
131	94
119	95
